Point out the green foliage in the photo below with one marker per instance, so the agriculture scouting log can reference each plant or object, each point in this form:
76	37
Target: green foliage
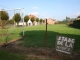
11	21
76	24
41	20
67	19
37	19
62	22
78	16
26	18
17	17
32	19
4	15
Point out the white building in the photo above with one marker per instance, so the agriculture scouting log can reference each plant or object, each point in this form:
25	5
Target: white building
29	22
21	23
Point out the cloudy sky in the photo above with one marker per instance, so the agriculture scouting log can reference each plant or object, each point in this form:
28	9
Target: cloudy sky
57	9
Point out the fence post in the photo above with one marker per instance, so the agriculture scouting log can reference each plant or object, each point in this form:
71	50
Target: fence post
46	38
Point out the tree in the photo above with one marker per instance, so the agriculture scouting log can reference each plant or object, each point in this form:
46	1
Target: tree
4	17
26	18
37	19
41	21
67	19
33	19
78	16
17	18
11	21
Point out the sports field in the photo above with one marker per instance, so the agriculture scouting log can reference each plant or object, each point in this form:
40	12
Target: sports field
36	35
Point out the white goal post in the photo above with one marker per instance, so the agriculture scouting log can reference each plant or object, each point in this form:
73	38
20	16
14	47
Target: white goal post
22	15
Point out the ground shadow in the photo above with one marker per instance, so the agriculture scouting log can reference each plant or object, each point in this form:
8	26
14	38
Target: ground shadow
34	42
38	38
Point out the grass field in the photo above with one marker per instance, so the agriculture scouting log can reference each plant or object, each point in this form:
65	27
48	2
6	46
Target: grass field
36	35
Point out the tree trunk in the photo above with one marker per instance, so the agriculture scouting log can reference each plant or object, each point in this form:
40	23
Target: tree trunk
17	24
26	24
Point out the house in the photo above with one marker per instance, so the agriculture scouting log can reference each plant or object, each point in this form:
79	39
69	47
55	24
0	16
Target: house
30	16
21	23
51	21
29	22
35	23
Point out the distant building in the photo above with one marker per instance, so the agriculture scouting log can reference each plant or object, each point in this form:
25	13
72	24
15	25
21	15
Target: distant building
29	22
30	16
51	21
21	23
35	23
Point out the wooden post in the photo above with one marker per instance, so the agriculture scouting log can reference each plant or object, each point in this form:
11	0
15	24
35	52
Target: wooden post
46	38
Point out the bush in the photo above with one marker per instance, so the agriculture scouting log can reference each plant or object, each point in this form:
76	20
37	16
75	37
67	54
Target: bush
75	24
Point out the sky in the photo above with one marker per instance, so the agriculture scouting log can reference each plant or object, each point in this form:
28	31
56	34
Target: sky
56	9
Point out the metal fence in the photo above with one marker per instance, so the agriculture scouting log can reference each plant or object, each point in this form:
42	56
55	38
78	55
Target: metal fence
41	40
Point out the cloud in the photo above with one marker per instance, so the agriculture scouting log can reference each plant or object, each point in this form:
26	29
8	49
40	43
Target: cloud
35	7
46	15
77	13
74	15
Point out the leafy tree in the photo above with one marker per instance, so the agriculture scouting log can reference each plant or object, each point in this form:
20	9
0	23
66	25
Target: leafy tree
4	15
11	21
26	18
4	18
32	19
17	18
41	21
78	16
37	19
67	19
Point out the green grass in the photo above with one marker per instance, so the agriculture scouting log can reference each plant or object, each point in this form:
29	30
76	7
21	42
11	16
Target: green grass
12	34
4	55
36	35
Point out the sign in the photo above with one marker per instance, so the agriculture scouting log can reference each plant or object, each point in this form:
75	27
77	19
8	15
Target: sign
64	44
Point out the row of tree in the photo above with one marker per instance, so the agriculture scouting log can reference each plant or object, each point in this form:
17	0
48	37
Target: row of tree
68	19
17	18
26	18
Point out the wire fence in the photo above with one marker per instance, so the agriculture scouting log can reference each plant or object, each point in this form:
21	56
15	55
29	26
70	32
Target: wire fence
42	40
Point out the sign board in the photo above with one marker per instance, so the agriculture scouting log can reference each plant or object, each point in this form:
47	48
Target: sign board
64	44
